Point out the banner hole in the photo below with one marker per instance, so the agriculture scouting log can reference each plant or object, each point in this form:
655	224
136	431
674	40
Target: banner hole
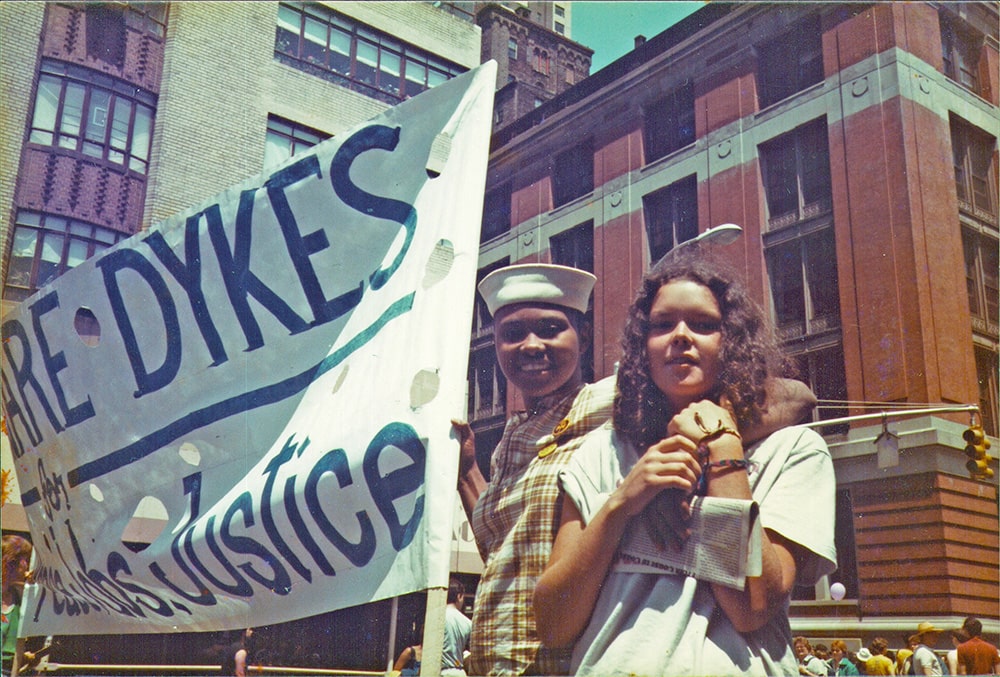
87	327
424	387
439	263
189	453
147	523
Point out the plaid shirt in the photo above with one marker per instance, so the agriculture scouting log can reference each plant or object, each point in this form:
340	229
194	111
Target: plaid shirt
515	522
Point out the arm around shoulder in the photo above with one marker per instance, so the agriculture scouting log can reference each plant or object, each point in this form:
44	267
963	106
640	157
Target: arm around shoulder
788	402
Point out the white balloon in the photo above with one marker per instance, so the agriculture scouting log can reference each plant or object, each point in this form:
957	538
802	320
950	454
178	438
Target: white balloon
837	591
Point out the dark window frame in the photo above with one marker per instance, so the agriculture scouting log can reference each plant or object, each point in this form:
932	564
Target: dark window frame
796	174
497	211
299	137
487	386
791	62
573	173
973	151
802	269
821	367
50	233
541	62
671	216
982	278
961	51
574	247
79	92
148	17
989	388
418	69
669	123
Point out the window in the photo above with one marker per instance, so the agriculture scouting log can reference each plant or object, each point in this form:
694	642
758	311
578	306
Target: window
45	246
975	175
105	32
540	61
560	11
975	184
822	369
560	29
573	175
989	388
790	63
286	138
668	123
496	212
487	384
512	49
575	248
671	215
982	277
803	274
337	48
85	111
148	17
961	47
796	169
488	387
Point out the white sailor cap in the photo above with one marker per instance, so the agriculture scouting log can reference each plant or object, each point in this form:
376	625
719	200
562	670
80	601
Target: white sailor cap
537	283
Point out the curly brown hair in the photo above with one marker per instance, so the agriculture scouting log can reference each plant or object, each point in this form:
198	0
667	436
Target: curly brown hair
749	354
15	551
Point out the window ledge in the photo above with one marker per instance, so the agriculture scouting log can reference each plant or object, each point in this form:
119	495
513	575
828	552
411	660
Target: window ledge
659	162
569	206
790	100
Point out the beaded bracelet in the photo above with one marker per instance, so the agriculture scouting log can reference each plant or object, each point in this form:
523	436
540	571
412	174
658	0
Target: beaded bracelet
727	463
707	465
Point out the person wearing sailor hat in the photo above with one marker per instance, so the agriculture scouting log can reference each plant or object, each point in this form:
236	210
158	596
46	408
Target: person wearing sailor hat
540	331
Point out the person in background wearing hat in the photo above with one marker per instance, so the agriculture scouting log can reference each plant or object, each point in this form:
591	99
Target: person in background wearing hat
862	657
976	656
541	331
924	660
877	662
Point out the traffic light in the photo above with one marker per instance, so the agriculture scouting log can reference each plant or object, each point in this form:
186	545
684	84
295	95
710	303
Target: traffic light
976	444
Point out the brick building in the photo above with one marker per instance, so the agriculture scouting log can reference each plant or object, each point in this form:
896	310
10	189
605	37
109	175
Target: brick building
856	146
114	118
118	115
534	62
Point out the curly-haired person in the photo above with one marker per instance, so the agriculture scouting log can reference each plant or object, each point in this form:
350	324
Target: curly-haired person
697	356
16	560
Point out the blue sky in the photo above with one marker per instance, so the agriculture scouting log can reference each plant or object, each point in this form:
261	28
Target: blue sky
609	28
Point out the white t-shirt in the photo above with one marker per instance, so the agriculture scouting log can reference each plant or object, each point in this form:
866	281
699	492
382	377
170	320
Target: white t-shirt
456	637
663	624
925	661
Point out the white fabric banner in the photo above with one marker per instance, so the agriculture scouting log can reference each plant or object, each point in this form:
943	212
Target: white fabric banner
271	377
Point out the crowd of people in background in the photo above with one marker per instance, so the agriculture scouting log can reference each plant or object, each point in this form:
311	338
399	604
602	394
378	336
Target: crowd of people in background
970	654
